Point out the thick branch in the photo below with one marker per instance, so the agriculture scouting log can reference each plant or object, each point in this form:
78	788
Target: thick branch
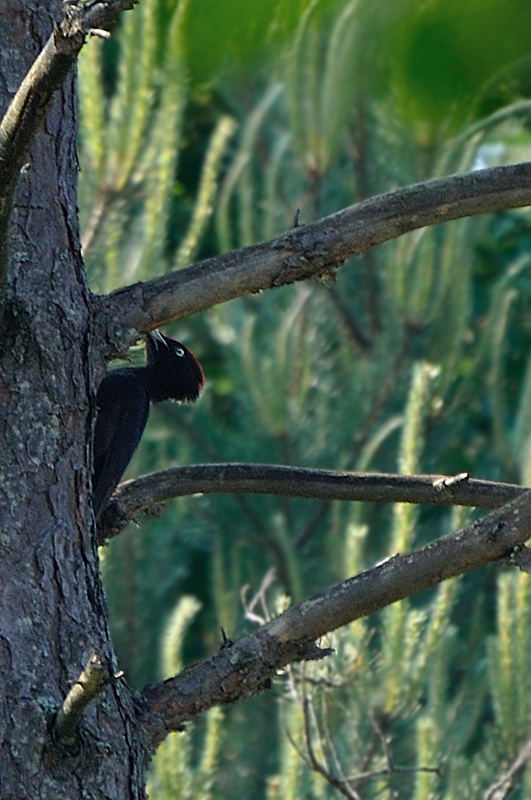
148	491
315	249
28	108
247	666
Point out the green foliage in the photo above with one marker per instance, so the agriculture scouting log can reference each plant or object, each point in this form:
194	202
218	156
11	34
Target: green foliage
130	144
128	147
454	60
415	359
232	35
177	773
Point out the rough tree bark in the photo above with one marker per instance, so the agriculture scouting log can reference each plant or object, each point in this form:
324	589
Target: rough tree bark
55	335
53	613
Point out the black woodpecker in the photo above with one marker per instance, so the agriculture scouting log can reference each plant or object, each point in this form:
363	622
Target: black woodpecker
172	373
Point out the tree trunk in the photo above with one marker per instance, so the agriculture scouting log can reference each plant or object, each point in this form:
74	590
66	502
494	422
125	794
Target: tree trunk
53	611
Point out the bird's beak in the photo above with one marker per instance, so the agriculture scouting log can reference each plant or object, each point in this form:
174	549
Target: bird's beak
154	341
156	336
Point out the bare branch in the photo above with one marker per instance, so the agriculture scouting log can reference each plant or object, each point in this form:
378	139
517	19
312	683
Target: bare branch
501	788
391	766
248	665
235	672
259	597
146	492
34	97
316	249
323	768
485	540
84	690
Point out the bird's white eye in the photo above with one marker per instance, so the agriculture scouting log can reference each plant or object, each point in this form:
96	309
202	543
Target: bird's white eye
179	351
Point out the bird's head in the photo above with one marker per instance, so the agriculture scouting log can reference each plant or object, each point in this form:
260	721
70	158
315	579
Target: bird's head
174	371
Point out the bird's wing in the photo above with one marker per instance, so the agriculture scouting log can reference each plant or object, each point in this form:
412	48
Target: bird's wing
123	408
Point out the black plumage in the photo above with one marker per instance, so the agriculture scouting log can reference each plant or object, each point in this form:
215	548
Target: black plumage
171	373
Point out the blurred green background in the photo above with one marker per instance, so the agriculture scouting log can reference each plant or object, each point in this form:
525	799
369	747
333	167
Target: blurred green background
204	126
